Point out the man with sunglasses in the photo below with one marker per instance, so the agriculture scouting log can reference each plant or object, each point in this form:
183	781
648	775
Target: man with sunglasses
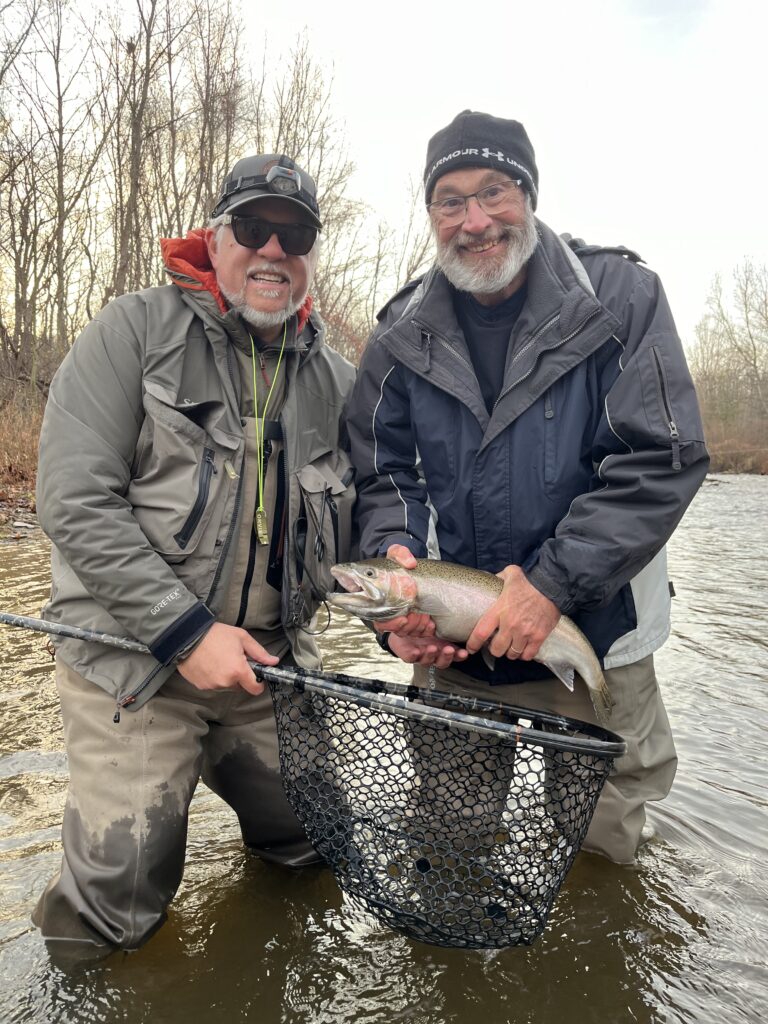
525	408
193	482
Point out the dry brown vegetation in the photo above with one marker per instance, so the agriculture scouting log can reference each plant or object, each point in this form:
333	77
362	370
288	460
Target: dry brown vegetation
20	419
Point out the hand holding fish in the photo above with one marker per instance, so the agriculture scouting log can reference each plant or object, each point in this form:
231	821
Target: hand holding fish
412	624
412	637
426	651
518	623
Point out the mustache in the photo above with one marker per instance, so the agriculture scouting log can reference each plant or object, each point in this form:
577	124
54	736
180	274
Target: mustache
507	233
265	267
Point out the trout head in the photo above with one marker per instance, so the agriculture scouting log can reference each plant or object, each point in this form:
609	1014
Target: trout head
378	588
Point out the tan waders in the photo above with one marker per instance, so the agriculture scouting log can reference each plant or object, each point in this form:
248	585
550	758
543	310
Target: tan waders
644	773
125	823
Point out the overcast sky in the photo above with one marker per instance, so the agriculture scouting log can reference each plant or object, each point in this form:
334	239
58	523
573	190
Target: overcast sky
647	116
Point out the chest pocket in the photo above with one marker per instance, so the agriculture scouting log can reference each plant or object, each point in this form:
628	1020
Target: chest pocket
568	425
323	528
180	482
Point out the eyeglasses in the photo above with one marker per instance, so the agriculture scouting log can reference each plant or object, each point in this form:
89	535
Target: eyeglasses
254	232
491	199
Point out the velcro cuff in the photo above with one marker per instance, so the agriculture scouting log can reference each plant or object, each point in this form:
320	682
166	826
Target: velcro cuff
557	593
192	624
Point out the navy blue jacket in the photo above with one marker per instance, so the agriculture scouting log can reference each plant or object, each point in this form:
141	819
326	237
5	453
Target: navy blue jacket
585	466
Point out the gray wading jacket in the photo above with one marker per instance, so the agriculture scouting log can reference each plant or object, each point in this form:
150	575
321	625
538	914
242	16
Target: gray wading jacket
140	469
592	452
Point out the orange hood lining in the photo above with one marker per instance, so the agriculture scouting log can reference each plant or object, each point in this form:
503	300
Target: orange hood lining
188	263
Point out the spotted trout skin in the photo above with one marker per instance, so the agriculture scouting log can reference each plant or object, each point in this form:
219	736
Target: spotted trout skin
455	596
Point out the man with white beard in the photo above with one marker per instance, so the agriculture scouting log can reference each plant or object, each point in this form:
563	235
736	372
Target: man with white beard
525	408
194	485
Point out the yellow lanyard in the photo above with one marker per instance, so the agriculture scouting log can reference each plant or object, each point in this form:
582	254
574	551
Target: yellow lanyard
260	518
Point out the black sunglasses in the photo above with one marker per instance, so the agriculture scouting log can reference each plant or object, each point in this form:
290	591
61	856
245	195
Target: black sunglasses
254	232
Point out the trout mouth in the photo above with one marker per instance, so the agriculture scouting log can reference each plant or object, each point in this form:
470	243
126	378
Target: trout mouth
352	583
362	596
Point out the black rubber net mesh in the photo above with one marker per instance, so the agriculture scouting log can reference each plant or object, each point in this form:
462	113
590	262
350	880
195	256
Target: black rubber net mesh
452	820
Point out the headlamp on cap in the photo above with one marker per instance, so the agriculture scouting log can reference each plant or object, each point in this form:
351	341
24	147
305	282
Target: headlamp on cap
283	181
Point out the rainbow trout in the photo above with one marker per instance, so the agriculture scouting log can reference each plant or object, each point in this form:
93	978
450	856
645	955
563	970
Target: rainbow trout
455	597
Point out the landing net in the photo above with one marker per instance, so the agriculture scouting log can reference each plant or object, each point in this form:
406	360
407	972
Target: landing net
451	819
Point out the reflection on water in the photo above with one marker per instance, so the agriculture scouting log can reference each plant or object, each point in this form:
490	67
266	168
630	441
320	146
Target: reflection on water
680	938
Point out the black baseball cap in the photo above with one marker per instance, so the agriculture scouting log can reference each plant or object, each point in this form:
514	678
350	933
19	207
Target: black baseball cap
270	176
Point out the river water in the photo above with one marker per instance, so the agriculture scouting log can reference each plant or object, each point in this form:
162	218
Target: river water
681	937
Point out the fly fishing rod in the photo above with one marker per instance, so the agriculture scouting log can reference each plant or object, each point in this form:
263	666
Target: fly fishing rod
401	699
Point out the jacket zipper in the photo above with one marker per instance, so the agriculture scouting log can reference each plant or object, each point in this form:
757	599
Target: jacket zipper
132	697
550	348
235	380
207	469
674	433
291	593
334	510
253	545
428	336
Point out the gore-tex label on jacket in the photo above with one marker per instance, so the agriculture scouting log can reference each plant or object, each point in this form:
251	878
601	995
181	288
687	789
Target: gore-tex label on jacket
176	592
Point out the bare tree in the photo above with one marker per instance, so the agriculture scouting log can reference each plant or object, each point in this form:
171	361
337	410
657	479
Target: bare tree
401	255
132	65
729	363
122	129
196	123
741	327
17	18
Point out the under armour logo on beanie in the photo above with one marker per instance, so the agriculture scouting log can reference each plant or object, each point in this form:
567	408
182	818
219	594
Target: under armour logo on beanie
473	139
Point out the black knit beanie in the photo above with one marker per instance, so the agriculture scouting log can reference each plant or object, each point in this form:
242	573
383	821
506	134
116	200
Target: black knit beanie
473	139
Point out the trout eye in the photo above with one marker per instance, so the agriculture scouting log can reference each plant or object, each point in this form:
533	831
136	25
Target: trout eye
370	573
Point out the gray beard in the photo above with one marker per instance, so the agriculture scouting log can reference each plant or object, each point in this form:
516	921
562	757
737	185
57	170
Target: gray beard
256	317
493	275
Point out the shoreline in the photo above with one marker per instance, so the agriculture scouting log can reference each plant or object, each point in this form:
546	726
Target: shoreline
17	506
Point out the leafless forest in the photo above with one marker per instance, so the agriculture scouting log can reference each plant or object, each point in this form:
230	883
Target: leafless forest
729	361
116	130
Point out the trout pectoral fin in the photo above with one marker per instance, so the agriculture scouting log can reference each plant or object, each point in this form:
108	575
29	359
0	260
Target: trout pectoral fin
563	672
489	659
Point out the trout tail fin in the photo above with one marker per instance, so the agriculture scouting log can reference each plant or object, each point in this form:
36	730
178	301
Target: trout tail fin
596	685
601	699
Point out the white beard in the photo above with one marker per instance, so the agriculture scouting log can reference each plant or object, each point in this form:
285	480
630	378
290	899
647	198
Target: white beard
258	318
488	275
